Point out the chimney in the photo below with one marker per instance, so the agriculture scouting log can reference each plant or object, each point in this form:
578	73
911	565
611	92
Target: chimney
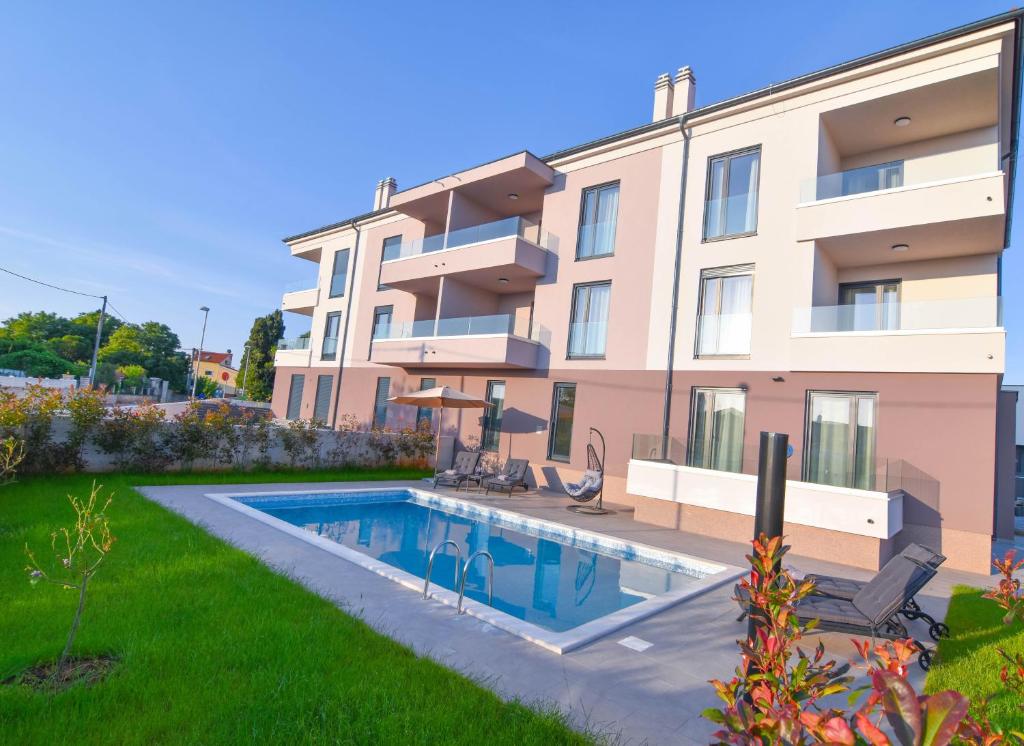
385	188
685	91
663	93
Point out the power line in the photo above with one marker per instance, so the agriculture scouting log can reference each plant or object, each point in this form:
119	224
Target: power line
47	284
120	315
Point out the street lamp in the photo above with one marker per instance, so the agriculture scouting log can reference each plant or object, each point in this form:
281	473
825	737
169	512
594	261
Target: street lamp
247	354
199	356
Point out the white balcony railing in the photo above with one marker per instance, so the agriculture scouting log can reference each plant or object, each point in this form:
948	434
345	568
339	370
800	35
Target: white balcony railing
954	313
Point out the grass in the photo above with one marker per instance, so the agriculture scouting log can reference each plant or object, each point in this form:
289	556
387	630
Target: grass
969	661
216	648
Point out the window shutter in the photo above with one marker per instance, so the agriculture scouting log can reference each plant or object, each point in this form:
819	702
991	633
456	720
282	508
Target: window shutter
295	396
322	405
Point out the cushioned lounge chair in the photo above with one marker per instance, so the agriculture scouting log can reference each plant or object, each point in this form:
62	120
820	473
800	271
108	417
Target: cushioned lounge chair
463	468
836	587
512	475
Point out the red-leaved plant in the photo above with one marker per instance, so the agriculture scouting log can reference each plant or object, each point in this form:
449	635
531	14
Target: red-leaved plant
776	695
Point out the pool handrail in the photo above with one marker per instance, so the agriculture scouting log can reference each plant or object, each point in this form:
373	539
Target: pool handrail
430	564
490	578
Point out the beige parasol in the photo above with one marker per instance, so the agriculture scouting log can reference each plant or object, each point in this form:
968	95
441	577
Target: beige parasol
441	397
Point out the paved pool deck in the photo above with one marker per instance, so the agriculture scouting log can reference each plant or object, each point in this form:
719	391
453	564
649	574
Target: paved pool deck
652	696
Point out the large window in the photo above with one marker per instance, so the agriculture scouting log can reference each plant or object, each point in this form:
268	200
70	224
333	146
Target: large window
869	306
380	402
598	216
382	321
295	387
329	347
724	313
490	435
339	274
716	429
426	413
588	322
731	198
563	405
840	448
322	403
392	249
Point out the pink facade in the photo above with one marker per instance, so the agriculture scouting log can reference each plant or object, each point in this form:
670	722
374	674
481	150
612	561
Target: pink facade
810	263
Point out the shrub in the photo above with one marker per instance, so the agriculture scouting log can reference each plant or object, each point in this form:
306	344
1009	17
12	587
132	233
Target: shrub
29	418
254	440
189	439
85	410
301	441
132	438
78	553
224	435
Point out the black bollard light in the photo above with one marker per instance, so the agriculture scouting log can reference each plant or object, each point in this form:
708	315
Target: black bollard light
771	494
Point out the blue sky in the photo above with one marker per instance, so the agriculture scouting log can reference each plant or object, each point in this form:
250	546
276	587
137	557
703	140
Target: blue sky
159	153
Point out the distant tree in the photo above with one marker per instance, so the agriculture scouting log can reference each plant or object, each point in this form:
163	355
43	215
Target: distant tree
133	376
38	362
36	326
206	387
73	347
259	356
85	325
153	346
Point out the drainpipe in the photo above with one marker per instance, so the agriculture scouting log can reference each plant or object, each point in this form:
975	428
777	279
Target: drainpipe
667	406
350	291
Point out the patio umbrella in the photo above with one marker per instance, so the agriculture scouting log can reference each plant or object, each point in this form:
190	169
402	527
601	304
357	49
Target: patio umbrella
441	397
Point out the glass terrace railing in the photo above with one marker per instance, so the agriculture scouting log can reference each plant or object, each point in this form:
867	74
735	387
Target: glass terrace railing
506	228
854	181
296	343
454	327
955	313
299	285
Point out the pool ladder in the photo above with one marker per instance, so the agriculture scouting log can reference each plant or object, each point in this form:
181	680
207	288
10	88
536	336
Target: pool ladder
460	579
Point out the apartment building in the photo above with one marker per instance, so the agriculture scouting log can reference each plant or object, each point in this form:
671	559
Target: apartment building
820	257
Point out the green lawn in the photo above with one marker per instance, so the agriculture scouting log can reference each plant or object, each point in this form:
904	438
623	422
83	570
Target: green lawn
968	661
216	648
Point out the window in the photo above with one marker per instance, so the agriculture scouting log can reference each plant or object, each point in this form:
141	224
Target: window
731	197
382	322
380	402
840	433
724	312
598	217
588	323
869	306
490	435
295	396
426	413
208	373
322	402
392	249
716	429
329	347
563	403
339	275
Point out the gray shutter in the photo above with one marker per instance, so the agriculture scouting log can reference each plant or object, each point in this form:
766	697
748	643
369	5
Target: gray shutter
322	405
295	396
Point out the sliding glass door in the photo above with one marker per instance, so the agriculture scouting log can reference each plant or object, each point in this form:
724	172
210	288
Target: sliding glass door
869	306
841	430
716	429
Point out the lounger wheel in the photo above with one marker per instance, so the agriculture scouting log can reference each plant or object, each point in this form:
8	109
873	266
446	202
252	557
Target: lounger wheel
924	659
938	630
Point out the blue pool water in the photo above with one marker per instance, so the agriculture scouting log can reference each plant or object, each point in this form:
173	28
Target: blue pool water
550	580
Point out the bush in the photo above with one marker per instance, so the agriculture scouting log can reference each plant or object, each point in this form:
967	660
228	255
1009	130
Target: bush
85	410
29	419
133	438
301	441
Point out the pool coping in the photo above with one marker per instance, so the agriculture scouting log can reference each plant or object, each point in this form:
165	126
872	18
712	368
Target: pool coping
556	642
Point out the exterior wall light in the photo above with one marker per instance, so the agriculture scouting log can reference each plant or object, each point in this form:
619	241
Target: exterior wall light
901	121
900	247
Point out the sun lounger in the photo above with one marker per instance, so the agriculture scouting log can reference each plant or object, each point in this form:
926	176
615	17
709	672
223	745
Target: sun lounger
512	475
462	469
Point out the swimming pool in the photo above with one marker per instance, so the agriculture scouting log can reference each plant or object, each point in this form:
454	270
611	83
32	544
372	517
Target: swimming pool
555	585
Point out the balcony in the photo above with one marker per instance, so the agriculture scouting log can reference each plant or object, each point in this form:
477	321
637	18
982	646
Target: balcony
502	256
300	299
937	211
962	335
292	353
499	341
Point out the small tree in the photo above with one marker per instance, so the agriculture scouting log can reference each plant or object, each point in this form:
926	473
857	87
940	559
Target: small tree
78	553
12	451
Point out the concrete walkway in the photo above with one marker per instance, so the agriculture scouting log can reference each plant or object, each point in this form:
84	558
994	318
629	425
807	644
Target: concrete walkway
653	696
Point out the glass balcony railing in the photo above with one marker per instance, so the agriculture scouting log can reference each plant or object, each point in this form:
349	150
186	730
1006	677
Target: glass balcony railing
296	343
588	338
300	285
724	334
454	327
956	313
854	181
506	228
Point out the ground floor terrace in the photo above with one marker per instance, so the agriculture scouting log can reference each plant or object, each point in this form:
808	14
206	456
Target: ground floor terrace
878	459
646	682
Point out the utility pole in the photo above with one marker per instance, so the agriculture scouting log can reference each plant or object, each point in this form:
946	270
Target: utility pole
199	355
247	353
96	344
